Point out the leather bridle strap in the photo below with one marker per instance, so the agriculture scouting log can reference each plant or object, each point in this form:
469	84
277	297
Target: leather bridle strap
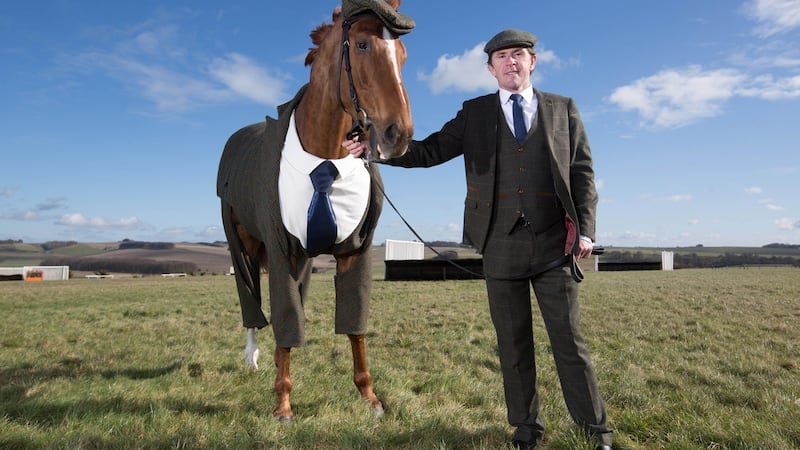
361	121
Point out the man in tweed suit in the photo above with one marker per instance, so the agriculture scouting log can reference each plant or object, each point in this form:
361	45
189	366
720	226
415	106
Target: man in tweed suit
529	210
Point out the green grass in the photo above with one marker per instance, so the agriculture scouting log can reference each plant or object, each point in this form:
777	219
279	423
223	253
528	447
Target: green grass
691	359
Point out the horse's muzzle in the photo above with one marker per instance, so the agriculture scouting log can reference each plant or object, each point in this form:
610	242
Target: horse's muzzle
389	142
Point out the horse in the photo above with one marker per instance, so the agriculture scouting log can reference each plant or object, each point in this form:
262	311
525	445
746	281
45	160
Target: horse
359	53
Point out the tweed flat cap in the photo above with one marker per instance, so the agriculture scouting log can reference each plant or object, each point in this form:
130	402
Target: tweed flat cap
509	38
398	23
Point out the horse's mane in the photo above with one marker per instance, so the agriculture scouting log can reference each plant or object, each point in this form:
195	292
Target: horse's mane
319	34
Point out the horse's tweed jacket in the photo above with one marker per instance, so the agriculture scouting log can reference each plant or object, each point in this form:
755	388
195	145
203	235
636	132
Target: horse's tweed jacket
247	183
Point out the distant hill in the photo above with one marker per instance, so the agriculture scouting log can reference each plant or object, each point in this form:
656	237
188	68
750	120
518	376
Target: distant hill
200	257
160	257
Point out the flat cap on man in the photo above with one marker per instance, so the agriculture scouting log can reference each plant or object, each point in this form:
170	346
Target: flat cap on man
509	38
398	23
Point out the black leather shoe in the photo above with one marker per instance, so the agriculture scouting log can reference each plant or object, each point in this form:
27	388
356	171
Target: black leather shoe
603	447
522	445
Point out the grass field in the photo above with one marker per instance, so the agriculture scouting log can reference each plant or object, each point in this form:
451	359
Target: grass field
691	359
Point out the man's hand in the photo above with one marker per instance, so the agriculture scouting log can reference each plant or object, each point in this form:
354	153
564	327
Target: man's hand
355	146
585	249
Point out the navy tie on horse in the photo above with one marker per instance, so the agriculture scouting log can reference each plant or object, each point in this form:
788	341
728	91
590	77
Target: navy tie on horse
520	130
321	220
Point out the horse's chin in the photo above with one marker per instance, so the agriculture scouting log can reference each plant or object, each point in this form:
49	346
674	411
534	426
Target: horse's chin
383	151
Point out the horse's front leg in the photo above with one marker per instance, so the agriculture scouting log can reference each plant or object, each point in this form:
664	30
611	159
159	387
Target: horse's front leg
283	385
251	350
361	375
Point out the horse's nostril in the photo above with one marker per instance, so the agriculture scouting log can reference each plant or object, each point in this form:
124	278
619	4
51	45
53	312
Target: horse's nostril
391	134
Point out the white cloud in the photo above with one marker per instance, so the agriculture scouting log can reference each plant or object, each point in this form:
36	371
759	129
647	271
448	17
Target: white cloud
454	227
81	221
774	207
25	216
774	16
679	198
465	73
766	87
694	221
787	224
468	72
754	190
637	236
7	192
175	80
678	97
246	78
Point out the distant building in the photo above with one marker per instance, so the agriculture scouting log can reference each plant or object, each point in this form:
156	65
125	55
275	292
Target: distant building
404	250
36	273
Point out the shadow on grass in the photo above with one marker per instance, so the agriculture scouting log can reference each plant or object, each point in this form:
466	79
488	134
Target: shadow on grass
75	368
18	403
432	435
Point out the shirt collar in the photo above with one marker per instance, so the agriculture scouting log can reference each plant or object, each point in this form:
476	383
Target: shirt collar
526	93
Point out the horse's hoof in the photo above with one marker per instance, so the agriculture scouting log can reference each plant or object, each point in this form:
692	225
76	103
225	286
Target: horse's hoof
285	419
378	410
251	357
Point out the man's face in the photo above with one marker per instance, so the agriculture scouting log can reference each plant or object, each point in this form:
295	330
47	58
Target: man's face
512	67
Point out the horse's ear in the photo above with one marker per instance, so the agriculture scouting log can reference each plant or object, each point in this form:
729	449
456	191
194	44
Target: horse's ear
337	11
394	3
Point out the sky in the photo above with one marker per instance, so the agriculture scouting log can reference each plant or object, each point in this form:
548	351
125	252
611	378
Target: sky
114	114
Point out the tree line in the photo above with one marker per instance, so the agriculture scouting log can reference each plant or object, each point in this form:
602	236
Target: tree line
123	265
693	260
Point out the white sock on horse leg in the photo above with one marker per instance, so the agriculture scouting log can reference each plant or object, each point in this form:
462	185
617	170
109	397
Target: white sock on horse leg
251	350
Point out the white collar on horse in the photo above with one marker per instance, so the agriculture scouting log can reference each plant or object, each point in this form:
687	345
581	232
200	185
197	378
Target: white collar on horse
349	194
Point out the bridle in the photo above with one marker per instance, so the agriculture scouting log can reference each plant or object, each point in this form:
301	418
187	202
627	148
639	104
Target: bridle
361	121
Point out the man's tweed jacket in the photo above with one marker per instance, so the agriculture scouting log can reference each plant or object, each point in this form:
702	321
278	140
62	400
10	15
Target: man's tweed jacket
473	133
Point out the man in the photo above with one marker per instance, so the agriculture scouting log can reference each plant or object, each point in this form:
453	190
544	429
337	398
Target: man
530	194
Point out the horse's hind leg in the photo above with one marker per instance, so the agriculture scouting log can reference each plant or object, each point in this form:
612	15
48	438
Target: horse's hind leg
353	286
361	376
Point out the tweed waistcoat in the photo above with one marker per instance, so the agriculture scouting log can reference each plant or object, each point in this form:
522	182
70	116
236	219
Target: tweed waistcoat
527	229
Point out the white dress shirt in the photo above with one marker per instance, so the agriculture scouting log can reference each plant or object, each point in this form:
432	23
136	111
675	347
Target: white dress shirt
349	195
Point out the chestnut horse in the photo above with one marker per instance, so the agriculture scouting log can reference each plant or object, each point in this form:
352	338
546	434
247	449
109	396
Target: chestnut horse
355	87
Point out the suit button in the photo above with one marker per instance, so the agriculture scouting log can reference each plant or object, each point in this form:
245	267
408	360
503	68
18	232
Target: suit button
521	191
522	169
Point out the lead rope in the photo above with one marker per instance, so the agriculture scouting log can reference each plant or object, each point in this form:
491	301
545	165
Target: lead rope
575	269
414	232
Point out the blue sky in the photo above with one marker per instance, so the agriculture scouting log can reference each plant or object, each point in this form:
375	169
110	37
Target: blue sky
114	114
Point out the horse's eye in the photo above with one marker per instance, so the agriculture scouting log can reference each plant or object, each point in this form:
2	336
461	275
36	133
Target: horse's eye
362	46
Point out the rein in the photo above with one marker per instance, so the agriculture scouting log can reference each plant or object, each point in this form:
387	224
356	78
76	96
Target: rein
361	121
414	232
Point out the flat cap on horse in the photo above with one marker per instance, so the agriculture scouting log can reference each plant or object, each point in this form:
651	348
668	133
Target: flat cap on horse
290	191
